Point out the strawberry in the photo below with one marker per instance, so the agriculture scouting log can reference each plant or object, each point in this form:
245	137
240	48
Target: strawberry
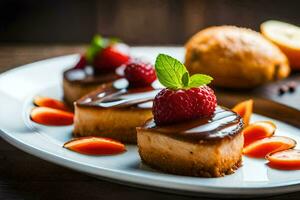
185	97
81	63
109	59
106	55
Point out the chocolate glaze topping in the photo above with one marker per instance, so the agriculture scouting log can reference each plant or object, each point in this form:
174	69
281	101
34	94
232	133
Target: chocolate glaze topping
88	76
223	124
119	95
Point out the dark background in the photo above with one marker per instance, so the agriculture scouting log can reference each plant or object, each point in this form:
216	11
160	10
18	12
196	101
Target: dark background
137	22
32	30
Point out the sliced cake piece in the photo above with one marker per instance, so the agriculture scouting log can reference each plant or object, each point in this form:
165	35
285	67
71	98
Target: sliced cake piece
79	82
207	147
116	109
189	134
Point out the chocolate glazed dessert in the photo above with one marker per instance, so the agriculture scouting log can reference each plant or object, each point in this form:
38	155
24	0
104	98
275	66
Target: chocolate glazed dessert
189	134
115	109
207	147
97	66
79	82
223	124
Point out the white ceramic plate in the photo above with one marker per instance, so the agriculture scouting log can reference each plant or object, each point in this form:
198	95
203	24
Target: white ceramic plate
19	86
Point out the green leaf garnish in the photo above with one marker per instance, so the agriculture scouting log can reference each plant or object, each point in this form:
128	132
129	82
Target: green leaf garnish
97	44
185	79
199	79
114	40
173	74
169	71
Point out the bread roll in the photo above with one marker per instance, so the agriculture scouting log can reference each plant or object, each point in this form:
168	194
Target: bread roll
235	57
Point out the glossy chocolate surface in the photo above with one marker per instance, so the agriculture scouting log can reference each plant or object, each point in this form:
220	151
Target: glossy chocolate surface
120	95
223	124
88	76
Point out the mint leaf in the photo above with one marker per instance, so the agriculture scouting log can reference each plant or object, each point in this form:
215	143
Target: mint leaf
169	71
197	80
97	44
185	79
114	40
173	74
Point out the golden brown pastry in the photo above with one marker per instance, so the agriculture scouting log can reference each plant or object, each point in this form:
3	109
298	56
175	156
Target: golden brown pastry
235	57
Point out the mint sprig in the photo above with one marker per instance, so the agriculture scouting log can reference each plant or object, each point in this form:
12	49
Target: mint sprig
173	74
97	44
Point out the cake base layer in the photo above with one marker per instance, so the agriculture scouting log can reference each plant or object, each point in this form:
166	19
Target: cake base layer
74	91
204	158
119	124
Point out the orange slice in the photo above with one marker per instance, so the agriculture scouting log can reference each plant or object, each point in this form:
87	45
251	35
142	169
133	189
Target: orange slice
49	102
286	37
51	116
285	160
95	146
261	148
257	131
244	109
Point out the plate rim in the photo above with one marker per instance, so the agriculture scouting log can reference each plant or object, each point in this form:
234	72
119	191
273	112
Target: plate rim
290	186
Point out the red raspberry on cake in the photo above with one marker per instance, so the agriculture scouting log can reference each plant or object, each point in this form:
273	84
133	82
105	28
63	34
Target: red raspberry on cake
171	106
185	97
139	74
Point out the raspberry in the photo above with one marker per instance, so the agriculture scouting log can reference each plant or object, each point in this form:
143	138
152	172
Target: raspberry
171	106
139	74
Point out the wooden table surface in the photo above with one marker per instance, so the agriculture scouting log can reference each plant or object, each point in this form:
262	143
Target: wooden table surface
23	176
